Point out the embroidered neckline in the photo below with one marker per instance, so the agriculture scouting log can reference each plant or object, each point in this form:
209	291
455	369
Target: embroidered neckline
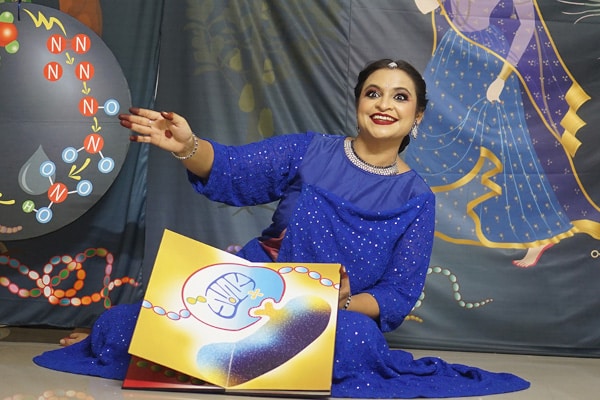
391	169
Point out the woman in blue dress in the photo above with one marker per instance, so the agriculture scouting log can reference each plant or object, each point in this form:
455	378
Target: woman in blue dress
499	136
346	200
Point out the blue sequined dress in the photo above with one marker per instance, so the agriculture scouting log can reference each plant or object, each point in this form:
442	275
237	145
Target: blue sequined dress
379	227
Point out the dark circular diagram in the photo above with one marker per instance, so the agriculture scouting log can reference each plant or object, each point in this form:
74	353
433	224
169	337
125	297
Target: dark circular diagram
61	145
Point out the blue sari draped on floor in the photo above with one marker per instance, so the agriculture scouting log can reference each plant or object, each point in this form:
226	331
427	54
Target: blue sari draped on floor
384	248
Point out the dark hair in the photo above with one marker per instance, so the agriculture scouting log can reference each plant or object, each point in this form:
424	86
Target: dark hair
415	76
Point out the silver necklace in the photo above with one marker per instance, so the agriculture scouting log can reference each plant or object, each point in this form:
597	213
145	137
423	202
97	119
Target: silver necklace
391	169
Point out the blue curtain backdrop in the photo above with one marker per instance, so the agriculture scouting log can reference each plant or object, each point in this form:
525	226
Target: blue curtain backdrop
245	70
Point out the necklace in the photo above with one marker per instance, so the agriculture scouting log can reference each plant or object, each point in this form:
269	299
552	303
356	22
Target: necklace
391	169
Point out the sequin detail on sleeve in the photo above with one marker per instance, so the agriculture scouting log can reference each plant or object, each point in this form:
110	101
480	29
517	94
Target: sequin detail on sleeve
256	173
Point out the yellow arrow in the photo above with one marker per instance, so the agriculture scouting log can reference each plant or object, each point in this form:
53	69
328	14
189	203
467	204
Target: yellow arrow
70	60
74	174
85	90
6	202
96	128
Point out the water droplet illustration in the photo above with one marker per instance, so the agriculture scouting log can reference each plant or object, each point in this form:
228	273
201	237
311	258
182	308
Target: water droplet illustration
30	179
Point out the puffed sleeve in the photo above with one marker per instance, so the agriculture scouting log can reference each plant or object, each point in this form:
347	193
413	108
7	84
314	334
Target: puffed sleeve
401	285
255	173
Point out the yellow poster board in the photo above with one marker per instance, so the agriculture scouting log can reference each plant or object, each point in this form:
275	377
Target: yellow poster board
237	325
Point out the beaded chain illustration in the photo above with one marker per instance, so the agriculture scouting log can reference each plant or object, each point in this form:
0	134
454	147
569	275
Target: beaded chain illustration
186	313
453	279
48	282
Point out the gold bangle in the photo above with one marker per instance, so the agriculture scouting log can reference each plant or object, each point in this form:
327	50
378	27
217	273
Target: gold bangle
505	72
192	153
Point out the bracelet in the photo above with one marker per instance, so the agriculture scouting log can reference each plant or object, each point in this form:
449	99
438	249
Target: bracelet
347	302
506	71
187	157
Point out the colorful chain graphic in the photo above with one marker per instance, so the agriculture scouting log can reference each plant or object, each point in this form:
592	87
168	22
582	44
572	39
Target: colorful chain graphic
47	283
185	313
455	288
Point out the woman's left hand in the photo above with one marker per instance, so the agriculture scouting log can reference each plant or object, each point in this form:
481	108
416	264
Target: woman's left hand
344	292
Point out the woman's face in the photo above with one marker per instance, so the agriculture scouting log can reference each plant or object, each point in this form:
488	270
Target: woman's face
387	107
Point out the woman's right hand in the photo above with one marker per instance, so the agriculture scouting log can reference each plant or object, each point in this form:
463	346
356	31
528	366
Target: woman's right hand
166	130
494	90
170	132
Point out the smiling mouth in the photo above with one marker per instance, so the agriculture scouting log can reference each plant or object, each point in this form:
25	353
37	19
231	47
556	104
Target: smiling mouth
382	119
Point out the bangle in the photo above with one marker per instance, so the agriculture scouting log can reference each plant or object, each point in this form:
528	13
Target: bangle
187	157
347	302
507	69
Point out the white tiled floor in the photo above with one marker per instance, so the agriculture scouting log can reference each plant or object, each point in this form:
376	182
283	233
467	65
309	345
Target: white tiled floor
552	378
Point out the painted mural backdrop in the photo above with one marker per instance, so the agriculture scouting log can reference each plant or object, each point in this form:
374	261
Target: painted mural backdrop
62	89
65	254
500	145
508	144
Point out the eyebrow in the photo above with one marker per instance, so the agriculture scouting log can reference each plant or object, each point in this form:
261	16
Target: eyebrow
394	89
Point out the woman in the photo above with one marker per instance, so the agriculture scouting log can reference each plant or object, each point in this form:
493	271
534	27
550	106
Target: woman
502	105
351	201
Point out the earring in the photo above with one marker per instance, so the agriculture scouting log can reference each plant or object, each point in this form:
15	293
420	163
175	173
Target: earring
414	130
